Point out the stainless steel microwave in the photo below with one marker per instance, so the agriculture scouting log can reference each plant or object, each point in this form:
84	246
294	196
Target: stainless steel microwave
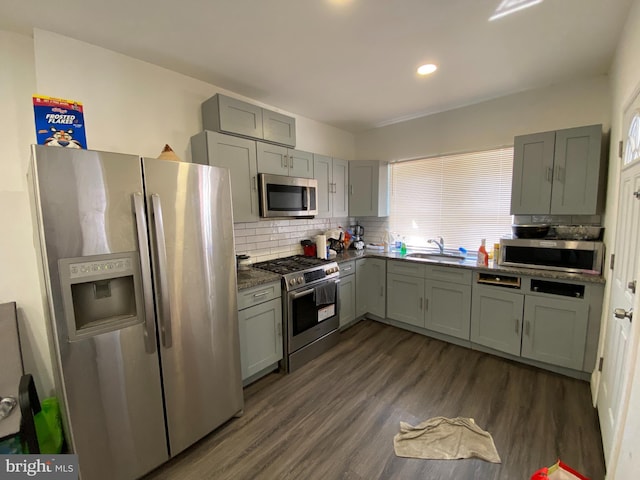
282	196
549	254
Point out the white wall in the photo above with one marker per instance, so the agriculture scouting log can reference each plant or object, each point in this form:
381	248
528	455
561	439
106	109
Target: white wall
490	124
625	83
130	106
136	107
20	280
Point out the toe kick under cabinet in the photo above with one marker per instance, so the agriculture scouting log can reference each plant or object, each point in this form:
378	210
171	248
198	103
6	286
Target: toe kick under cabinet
260	325
544	322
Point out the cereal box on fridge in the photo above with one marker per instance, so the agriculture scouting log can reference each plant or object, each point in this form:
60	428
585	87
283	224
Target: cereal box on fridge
59	122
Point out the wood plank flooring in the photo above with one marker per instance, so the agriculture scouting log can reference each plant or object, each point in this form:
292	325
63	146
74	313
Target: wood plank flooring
336	417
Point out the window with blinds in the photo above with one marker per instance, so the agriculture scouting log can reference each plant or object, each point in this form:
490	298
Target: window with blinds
462	198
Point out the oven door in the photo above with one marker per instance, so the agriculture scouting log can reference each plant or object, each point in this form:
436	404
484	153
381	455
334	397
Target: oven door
309	319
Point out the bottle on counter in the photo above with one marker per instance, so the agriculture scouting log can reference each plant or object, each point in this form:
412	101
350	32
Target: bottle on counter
483	256
496	253
403	247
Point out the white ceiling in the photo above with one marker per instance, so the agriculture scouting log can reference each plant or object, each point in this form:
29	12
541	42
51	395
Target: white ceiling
350	65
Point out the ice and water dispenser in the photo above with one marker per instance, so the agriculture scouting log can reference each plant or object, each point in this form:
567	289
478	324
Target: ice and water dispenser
101	293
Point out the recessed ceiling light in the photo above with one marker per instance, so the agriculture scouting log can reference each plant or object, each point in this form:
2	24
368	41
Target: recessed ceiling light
427	69
507	7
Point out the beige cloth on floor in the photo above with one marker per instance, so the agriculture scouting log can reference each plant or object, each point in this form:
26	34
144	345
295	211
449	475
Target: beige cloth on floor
445	438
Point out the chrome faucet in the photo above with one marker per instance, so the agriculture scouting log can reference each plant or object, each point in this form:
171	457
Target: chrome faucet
440	244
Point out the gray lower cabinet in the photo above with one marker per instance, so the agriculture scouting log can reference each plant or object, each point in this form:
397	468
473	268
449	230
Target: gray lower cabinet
496	318
239	156
347	293
279	160
405	299
260	327
555	331
371	291
448	308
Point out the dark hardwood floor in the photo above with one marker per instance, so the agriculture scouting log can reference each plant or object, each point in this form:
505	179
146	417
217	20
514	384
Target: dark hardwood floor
336	417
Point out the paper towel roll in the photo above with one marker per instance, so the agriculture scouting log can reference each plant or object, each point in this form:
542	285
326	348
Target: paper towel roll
321	246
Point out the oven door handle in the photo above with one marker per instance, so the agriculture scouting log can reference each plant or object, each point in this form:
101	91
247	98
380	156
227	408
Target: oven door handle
302	294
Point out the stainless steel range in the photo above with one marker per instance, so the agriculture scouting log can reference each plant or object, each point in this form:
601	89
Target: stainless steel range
310	306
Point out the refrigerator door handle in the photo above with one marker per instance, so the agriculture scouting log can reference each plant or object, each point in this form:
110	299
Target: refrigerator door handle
147	289
164	300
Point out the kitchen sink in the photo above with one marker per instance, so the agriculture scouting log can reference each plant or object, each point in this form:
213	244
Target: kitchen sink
437	257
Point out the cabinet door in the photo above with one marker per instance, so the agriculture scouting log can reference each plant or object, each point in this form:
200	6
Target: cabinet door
448	308
378	293
577	172
364	283
405	299
496	319
240	117
239	156
532	173
363	192
340	188
260	336
347	296
322	171
300	163
555	331
272	159
279	128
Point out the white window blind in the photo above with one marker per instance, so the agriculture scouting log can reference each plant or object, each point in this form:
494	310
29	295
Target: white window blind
462	198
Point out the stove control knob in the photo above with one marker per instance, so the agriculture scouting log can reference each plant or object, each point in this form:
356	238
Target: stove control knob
299	280
292	281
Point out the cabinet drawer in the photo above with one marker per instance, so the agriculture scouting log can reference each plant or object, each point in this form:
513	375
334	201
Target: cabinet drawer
449	274
406	268
259	294
347	268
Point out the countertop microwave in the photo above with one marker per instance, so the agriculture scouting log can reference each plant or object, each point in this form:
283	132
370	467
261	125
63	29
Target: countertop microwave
550	254
282	196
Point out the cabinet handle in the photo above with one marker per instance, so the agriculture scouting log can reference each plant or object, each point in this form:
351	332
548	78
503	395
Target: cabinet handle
420	303
549	174
279	329
527	327
350	189
517	326
261	294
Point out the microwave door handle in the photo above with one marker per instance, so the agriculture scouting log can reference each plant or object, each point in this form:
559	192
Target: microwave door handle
305	200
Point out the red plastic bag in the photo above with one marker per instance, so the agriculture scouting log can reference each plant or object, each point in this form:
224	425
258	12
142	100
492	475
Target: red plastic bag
558	471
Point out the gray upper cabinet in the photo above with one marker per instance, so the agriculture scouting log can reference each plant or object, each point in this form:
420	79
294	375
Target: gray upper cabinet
368	189
239	156
555	331
279	160
333	176
230	115
278	128
559	173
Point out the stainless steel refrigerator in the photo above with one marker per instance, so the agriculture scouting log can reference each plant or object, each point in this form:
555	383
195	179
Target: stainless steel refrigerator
139	267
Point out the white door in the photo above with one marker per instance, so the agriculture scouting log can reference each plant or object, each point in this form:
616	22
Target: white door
617	337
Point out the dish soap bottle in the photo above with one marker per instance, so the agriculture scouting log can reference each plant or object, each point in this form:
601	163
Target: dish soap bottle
403	247
483	257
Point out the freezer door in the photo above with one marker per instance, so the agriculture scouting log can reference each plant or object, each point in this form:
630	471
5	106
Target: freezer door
109	376
189	207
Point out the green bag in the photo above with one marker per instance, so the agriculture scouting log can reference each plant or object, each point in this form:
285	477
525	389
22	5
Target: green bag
49	426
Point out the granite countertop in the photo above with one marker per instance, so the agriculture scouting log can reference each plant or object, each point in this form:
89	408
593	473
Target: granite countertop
471	264
254	277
